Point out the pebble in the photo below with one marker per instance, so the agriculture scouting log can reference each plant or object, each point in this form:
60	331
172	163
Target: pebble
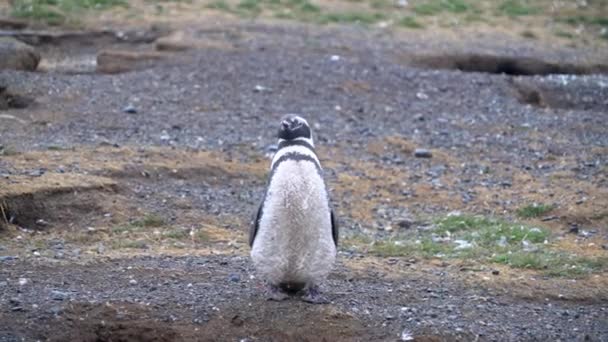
59	295
259	89
37	172
56	310
573	230
235	278
130	109
404	223
422	153
495	272
7	258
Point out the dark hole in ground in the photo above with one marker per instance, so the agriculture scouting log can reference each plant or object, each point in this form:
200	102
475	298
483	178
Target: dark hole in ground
510	65
574	94
48	208
11	100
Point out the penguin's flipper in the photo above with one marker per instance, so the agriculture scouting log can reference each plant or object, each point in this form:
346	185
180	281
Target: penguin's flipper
253	230
334	227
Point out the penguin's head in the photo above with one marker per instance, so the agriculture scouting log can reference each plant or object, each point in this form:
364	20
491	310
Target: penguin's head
294	127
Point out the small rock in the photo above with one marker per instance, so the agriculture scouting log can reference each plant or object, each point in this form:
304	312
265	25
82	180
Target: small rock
17	55
133	282
37	172
130	109
59	295
421	96
260	89
101	248
573	230
235	278
56	310
42	222
422	153
401	3
462	244
23	281
7	258
405	223
495	272
334	58
549	218
165	136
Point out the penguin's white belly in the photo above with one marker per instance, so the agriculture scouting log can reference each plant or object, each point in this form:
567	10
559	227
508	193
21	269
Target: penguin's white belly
294	242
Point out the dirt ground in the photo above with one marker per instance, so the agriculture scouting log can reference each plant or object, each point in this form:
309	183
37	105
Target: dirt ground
126	196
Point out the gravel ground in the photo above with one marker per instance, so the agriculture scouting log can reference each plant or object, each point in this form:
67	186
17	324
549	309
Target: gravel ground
358	95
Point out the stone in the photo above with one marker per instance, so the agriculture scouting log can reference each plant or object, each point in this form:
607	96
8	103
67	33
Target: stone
130	109
422	153
117	61
59	295
16	55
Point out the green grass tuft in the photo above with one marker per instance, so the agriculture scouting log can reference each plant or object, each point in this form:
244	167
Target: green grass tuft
410	22
516	8
351	17
438	6
534	210
57	12
220	5
149	220
485	239
553	263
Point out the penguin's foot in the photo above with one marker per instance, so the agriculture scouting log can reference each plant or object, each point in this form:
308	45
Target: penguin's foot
275	293
314	296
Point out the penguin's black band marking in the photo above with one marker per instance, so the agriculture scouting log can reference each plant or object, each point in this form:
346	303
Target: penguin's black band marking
295	156
287	143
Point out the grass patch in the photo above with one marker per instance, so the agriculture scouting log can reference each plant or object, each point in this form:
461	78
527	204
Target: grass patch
564	34
8	151
220	5
438	6
150	220
553	263
534	210
516	8
249	7
485	239
584	20
177	234
529	34
57	12
410	22
351	17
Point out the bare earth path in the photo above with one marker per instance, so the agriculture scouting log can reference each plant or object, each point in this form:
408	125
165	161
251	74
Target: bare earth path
130	194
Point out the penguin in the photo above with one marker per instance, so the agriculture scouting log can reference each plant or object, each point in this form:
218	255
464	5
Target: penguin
294	235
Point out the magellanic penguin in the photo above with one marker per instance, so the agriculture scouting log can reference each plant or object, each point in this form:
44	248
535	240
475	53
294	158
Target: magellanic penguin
294	235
